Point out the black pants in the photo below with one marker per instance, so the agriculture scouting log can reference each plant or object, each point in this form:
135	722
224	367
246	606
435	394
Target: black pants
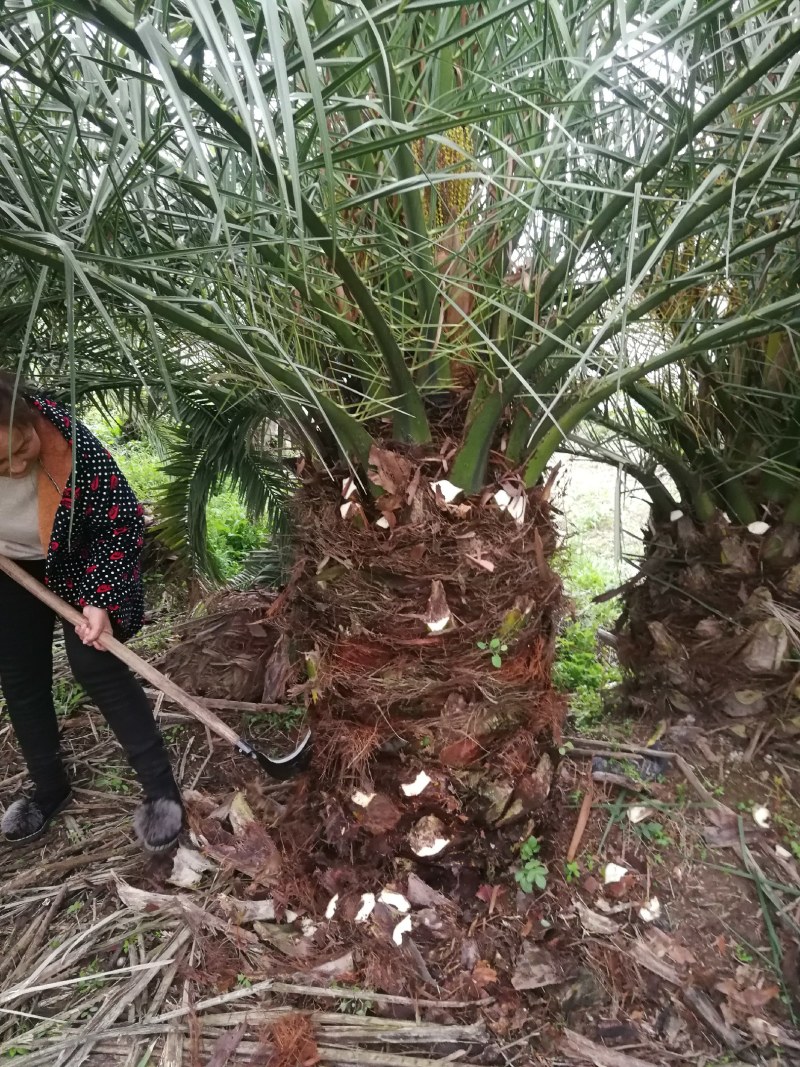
26	676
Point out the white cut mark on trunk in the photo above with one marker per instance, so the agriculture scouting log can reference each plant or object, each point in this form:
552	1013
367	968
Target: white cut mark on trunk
402	928
367	907
427	837
514	505
675	515
650	911
614	873
448	491
437	846
394	900
419	785
330	911
437	615
363	800
761	816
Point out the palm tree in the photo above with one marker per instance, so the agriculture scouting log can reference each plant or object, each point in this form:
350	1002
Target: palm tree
713	626
422	238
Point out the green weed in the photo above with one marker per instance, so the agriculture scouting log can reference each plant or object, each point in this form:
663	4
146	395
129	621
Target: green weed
533	874
742	954
90	983
494	649
654	834
572	871
353	1005
279	720
67	697
111	782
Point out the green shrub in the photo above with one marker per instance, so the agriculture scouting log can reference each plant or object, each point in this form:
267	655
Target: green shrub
232	534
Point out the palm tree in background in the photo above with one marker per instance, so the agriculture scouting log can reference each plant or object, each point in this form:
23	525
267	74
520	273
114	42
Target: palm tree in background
426	240
713	626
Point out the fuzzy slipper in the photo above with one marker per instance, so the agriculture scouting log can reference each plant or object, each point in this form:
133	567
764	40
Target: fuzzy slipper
158	823
27	819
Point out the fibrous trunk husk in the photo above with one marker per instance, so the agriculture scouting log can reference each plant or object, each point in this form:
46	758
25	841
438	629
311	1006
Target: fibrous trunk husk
394	621
419	636
713	627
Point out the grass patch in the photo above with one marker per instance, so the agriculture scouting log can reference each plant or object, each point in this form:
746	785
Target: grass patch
583	668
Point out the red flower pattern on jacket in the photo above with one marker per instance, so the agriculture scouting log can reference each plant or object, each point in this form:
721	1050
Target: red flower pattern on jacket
98	507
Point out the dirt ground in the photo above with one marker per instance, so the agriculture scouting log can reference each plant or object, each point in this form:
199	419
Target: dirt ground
255	944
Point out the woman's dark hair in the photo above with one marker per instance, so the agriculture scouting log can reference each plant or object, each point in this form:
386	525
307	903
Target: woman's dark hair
14	408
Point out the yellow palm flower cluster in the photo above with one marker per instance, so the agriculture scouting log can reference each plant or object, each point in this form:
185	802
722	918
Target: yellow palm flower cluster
452	196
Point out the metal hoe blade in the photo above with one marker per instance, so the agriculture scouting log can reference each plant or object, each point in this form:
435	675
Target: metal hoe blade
283	767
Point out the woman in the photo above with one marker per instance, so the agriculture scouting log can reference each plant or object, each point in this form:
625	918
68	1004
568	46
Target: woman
68	517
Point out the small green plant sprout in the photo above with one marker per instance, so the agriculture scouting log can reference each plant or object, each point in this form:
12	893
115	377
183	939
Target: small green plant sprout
654	834
533	873
565	748
494	649
742	954
242	981
89	984
353	1005
572	871
112	782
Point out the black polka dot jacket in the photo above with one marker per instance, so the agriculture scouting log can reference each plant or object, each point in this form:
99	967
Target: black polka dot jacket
93	557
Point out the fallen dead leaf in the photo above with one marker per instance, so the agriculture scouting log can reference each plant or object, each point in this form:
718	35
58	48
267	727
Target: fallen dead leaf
622	889
390	471
338	968
188	868
252	851
535	968
661	944
180	906
483	974
745	1002
645	956
766	1033
461	753
593	923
